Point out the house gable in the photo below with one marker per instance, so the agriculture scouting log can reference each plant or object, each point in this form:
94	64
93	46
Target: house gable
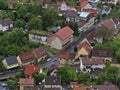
82	52
56	43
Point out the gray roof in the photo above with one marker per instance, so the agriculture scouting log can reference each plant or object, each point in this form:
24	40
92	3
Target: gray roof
11	60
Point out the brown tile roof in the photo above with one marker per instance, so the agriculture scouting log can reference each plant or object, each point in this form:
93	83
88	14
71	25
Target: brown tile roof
51	89
39	52
97	87
105	87
81	23
6	22
90	37
30	69
10	1
107	23
64	33
52	80
39	1
66	55
70	14
84	45
102	52
92	61
47	1
26	81
115	19
26	56
31	88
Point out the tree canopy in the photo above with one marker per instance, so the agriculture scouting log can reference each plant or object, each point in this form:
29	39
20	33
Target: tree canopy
67	74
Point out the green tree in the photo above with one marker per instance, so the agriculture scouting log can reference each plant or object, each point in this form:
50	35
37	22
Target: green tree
21	11
84	77
30	16
9	14
38	78
35	23
3	4
67	74
110	74
2	67
49	17
35	9
19	23
12	84
104	32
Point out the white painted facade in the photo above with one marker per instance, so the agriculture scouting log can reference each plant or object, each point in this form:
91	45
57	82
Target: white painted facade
5	28
56	43
38	38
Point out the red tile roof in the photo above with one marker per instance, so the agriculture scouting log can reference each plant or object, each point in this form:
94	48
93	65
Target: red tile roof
83	3
26	81
60	3
39	52
67	55
84	45
30	69
81	88
92	11
26	56
64	33
74	83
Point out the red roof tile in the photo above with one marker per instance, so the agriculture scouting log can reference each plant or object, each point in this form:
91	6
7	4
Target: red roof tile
80	88
64	33
67	55
74	83
29	69
83	3
26	81
92	11
60	3
85	45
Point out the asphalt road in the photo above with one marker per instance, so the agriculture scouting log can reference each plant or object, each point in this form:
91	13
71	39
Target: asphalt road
69	48
53	60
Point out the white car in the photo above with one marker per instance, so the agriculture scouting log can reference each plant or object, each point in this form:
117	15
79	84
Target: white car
48	59
4	84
